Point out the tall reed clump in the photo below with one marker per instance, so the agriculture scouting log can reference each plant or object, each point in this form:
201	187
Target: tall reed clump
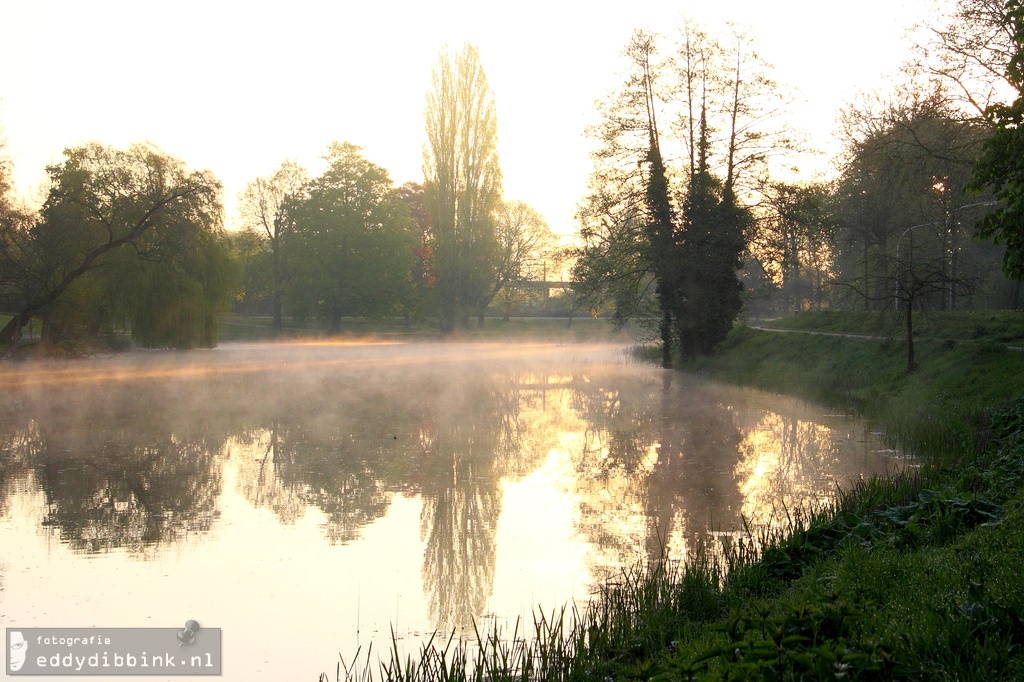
638	614
630	625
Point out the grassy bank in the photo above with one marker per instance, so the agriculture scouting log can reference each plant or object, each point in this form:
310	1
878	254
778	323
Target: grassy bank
911	576
941	410
1000	326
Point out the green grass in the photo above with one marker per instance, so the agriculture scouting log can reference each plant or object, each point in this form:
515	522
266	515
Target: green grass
999	326
939	410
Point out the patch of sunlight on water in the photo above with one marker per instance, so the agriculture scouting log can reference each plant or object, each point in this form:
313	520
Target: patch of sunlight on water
780	461
538	545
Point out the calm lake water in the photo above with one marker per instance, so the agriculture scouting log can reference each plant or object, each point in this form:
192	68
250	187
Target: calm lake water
308	498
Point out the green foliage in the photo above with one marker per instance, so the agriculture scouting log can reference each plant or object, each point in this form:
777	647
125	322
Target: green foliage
794	243
256	269
661	247
610	270
420	300
175	303
462	185
266	212
640	253
526	246
712	241
16	222
1001	166
117	227
904	215
351	250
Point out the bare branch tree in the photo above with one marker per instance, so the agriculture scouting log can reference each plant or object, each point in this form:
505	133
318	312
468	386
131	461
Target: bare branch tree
266	207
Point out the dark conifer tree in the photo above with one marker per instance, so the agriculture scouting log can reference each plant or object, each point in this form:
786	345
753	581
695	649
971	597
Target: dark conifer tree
661	244
707	294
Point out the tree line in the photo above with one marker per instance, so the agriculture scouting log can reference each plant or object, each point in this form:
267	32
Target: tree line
686	221
132	240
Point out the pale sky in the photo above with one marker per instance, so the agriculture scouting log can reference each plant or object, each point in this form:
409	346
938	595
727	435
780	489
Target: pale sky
239	87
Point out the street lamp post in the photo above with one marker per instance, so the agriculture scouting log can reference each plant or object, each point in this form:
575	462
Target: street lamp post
896	303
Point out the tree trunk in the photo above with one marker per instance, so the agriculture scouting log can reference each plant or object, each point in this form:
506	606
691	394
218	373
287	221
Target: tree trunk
449	314
910	335
867	274
11	333
278	325
666	339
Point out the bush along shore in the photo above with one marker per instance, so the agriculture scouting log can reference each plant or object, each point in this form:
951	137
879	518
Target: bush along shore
914	575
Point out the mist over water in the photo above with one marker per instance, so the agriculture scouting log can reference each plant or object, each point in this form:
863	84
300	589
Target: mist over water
308	497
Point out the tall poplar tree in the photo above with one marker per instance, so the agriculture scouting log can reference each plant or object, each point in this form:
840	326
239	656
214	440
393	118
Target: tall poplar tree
462	184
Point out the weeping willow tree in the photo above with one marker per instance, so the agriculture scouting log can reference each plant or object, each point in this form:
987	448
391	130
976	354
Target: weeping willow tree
174	303
126	239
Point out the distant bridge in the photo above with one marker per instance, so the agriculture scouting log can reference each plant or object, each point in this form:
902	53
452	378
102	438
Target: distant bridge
546	285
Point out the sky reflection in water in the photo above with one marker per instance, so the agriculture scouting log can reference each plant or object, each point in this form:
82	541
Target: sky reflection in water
306	498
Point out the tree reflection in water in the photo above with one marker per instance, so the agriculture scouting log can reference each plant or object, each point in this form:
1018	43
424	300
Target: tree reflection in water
782	456
346	453
656	465
459	519
476	435
17	444
667	464
260	457
651	461
451	439
116	474
115	494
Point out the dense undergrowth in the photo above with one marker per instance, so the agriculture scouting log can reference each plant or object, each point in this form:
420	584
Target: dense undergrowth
915	575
